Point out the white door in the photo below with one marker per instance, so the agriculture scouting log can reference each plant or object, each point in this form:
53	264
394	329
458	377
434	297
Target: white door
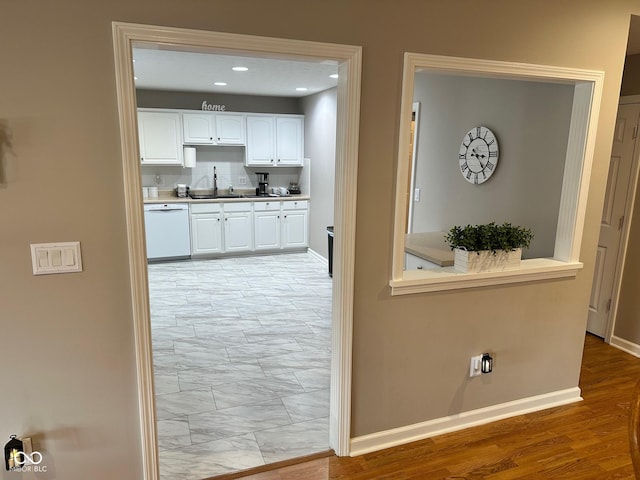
160	138
198	128
289	142
230	129
206	233
294	229
267	226
237	232
260	140
607	261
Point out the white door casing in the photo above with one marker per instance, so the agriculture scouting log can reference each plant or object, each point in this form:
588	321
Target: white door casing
349	60
615	223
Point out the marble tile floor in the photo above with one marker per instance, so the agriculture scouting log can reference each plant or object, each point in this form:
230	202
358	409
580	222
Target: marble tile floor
242	361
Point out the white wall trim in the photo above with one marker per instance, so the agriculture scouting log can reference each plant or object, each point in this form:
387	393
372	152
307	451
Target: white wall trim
411	433
588	86
625	346
349	57
317	256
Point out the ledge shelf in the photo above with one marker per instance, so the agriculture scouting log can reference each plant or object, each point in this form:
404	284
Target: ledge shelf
422	281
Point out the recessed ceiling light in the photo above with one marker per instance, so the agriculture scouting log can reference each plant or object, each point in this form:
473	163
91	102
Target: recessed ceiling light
240	69
220	84
302	89
135	78
335	75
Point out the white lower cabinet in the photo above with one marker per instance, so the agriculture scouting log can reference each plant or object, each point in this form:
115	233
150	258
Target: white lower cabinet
413	262
206	229
281	225
218	228
266	217
238	227
295	224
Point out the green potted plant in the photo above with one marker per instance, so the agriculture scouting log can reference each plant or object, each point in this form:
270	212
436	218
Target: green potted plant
488	247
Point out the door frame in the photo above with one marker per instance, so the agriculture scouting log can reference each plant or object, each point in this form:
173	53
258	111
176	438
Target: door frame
626	229
349	57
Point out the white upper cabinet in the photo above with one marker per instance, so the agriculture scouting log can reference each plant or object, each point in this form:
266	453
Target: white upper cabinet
275	140
160	136
261	147
199	128
213	129
230	129
289	143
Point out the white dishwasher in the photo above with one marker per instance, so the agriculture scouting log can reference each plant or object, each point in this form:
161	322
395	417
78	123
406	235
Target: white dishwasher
167	230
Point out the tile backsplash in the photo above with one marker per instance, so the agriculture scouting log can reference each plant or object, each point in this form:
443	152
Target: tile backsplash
229	163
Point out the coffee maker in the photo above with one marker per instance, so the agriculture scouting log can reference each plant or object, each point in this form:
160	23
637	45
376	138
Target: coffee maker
263	184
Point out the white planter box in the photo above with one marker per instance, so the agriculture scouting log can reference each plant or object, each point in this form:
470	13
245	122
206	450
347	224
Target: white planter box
486	261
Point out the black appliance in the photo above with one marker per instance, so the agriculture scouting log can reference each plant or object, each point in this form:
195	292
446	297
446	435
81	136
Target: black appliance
263	184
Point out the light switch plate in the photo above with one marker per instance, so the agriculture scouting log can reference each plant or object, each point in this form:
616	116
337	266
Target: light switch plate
48	258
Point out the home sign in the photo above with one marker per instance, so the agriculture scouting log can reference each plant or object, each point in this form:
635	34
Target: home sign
213	108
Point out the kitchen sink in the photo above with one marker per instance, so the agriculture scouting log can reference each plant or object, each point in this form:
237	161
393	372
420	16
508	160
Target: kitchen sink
207	196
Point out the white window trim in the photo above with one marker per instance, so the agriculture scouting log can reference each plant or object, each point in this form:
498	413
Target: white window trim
575	186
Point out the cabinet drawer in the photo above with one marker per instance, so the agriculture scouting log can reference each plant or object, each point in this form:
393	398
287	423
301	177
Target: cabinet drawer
237	207
295	205
206	208
266	206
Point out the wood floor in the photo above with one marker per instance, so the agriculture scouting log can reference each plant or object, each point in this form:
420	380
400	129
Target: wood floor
585	440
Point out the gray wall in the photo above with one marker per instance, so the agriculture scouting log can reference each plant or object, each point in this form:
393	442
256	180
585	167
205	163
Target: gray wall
531	122
320	148
233	103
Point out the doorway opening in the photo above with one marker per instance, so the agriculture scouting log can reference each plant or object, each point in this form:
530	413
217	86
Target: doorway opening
127	36
616	220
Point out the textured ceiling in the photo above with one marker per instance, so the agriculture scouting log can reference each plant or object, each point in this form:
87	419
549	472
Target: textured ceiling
187	71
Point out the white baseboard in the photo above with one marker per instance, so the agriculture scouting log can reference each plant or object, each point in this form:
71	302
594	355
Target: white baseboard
318	256
625	345
411	433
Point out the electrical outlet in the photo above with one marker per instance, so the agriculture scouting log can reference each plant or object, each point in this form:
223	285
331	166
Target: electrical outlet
242	180
475	367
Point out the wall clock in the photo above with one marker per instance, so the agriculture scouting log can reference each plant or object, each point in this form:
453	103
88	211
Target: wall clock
478	155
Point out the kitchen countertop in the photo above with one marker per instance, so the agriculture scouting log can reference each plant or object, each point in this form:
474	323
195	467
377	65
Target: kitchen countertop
171	198
430	246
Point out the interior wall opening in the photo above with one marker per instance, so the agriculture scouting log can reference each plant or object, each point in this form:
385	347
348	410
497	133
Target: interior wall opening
348	59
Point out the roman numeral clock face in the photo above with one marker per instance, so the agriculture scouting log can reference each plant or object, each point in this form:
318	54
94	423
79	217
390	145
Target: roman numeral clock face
478	155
